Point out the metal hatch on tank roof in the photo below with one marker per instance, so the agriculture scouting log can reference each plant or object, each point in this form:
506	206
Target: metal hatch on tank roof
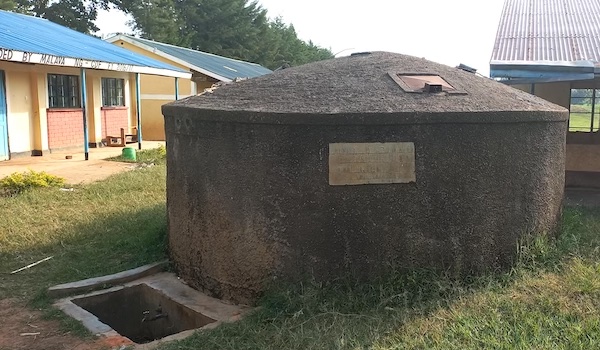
424	83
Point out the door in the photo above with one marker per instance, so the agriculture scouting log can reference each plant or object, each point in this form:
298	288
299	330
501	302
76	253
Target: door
3	126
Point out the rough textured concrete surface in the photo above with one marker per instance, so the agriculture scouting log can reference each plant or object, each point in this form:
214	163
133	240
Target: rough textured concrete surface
168	286
248	194
94	283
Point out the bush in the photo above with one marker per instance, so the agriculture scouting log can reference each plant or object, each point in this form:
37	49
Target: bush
581	109
19	182
162	151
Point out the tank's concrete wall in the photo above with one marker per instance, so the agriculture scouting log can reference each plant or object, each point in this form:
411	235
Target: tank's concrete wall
249	204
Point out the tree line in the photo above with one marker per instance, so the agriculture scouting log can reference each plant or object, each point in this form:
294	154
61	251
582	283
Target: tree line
238	29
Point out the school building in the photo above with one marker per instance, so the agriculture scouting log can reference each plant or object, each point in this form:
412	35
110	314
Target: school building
61	89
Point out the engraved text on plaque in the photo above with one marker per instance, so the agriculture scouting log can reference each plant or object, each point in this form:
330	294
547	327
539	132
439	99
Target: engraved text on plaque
371	163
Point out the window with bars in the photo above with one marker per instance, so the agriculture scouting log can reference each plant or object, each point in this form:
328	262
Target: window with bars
584	111
113	92
63	91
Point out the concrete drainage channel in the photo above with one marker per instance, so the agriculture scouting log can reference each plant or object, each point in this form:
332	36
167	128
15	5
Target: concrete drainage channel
144	311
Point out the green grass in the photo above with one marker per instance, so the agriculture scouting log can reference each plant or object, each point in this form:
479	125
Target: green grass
579	119
549	300
156	156
97	229
581	122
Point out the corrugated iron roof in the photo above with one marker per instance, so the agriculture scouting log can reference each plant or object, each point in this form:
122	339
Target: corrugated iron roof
29	34
218	67
548	30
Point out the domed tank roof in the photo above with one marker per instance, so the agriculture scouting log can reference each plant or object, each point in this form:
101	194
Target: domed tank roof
375	84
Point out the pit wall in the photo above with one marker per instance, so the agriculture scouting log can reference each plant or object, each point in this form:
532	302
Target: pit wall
583	149
33	128
157	91
250	205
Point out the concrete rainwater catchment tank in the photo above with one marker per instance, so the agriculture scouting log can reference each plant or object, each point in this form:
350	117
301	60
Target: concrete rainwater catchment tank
352	166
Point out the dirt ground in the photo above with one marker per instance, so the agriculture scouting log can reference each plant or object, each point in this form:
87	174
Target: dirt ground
24	329
75	170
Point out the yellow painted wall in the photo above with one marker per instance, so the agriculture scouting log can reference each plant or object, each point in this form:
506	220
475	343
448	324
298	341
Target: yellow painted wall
583	157
27	103
39	94
559	93
153	123
134	107
157	91
19	111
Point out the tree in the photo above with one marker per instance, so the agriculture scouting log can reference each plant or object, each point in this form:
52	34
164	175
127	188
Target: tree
225	27
8	5
75	14
229	28
156	20
284	47
581	96
232	28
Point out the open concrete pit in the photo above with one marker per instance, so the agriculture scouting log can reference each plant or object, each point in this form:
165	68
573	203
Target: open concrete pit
142	314
149	311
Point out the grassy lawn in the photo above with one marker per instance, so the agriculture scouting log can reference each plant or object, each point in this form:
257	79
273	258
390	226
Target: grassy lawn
550	300
579	119
156	156
581	122
96	229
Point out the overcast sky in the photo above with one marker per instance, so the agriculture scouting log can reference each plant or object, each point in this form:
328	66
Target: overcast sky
445	31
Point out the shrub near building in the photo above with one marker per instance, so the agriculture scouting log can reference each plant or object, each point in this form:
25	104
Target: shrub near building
18	182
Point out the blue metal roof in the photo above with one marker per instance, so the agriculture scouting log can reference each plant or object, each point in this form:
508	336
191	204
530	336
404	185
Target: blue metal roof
219	66
36	35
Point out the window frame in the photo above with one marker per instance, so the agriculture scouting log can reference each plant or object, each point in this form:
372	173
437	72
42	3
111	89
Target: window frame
63	91
113	92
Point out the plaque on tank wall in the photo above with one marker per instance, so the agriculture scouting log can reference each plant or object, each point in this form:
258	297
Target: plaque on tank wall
371	163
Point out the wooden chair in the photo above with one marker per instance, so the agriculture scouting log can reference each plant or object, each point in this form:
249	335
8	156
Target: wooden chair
133	137
116	141
123	139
